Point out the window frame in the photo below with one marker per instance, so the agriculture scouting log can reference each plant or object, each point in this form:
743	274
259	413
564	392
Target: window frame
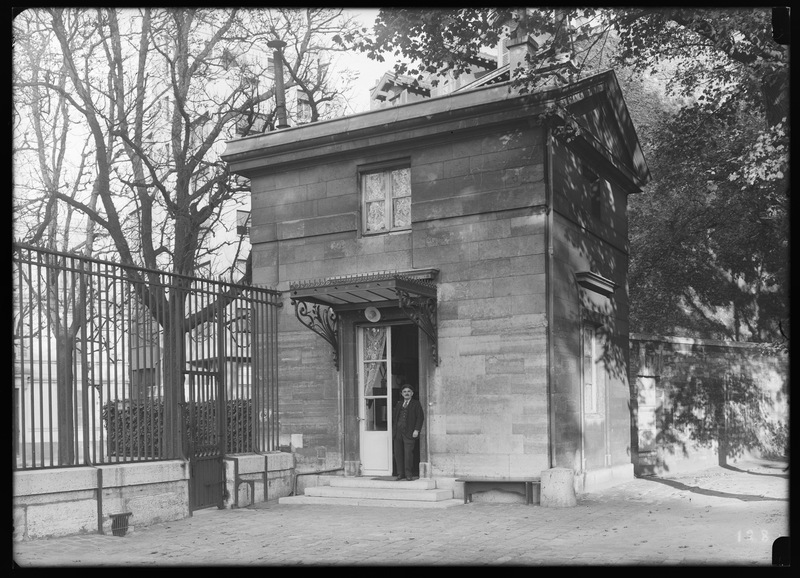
303	107
385	168
590	359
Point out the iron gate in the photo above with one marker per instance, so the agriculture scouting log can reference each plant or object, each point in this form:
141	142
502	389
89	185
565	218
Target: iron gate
205	404
116	363
205	439
225	404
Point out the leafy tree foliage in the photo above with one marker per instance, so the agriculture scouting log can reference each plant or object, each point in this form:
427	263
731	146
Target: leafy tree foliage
708	256
709	239
438	41
724	55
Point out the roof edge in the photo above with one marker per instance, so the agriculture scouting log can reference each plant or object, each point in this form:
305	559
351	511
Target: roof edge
351	127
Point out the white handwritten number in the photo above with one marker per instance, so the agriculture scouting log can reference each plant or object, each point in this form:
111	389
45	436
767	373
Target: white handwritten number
748	535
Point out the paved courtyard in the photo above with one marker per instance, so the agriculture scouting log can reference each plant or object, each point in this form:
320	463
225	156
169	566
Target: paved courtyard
720	516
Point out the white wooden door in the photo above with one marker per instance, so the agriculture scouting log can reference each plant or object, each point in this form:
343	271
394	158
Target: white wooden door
375	399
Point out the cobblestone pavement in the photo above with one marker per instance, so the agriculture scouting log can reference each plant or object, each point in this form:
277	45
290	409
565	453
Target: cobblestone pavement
719	516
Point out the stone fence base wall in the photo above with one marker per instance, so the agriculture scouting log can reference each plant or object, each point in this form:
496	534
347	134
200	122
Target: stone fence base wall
253	478
85	500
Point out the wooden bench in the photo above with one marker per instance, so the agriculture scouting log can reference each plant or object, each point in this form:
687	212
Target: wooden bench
522	486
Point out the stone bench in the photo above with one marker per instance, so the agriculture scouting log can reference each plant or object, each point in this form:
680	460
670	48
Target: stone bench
522	486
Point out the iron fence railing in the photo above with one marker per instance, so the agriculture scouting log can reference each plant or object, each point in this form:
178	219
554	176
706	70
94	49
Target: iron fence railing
107	358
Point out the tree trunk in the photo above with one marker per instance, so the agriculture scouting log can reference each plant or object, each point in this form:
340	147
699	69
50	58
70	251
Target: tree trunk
65	399
174	364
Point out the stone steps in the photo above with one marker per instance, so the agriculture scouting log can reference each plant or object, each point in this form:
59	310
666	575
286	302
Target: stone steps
379	492
382	483
432	495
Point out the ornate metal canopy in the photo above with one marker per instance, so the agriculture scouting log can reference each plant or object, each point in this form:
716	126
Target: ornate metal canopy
316	301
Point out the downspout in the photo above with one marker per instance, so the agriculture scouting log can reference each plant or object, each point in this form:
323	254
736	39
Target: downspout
548	273
581	386
607	419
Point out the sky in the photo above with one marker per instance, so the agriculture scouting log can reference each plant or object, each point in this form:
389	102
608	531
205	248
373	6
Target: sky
370	70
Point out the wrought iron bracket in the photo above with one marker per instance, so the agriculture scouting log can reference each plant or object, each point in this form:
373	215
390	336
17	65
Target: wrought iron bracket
422	311
321	320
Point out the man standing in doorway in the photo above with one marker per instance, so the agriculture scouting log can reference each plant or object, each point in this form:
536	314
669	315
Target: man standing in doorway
407	419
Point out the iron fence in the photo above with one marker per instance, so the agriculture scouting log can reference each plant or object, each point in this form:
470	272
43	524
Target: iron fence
115	363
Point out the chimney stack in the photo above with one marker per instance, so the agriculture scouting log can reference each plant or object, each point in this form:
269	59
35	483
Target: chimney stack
520	45
555	59
280	96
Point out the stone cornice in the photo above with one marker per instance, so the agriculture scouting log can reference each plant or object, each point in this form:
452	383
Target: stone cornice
594	282
437	117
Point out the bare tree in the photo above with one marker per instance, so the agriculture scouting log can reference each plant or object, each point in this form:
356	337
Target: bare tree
51	134
158	91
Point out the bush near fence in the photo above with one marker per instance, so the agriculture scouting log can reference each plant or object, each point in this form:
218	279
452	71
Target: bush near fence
135	428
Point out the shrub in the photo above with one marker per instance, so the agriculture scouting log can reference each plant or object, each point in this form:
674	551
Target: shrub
135	428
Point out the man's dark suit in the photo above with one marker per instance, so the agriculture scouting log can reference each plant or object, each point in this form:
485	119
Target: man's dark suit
403	439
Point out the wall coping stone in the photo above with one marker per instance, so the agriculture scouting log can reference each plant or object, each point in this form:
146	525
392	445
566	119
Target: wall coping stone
249	463
62	480
54	480
280	461
695	341
140	473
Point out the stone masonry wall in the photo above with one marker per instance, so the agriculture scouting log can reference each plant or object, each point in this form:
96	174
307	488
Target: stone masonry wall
489	403
477	217
589	235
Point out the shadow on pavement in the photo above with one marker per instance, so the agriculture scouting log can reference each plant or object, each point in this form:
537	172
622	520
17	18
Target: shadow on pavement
741	471
715	493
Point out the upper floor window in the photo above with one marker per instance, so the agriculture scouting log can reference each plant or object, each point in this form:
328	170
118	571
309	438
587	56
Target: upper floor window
386	200
595	191
303	109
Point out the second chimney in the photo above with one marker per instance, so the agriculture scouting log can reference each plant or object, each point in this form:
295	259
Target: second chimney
280	96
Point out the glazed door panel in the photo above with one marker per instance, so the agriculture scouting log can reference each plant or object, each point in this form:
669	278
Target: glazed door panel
375	399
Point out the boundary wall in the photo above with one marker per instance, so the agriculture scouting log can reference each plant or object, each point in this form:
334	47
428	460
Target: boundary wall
697	403
85	500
